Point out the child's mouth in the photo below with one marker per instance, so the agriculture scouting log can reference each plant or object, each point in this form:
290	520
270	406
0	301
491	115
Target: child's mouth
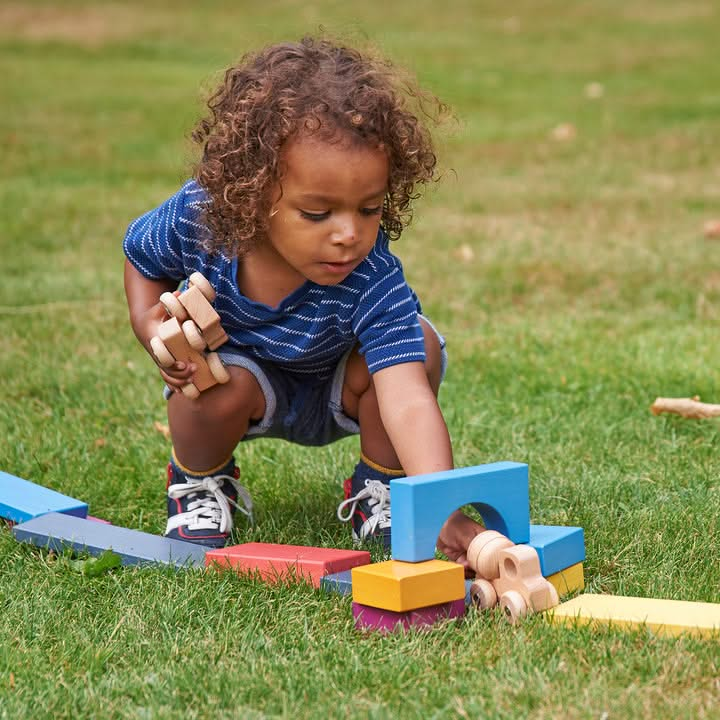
339	267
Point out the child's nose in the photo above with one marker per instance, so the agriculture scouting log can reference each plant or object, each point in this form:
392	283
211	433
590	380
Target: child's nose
345	232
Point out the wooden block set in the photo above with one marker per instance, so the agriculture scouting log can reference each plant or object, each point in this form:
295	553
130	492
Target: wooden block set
399	593
414	589
193	328
522	567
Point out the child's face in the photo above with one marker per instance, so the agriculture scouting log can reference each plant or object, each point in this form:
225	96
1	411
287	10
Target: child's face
327	213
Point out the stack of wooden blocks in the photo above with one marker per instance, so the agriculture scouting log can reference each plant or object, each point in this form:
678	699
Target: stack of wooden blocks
415	589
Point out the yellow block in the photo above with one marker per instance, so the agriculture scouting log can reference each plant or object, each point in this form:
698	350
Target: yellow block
569	579
401	586
663	617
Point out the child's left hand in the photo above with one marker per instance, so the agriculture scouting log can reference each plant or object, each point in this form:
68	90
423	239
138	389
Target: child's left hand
455	537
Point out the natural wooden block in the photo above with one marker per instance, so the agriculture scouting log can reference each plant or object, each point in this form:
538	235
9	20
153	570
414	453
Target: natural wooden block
282	562
172	335
521	588
568	580
203	315
400	586
662	617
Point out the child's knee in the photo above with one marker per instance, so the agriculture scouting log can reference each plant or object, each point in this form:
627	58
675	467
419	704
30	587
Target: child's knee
241	397
356	382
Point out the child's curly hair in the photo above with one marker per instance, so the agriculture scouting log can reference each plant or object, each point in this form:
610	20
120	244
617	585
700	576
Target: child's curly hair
311	86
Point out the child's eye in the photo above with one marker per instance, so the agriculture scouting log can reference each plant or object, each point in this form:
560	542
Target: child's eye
372	210
315	217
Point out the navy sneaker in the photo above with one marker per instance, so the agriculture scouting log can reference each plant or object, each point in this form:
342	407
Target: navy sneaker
367	499
201	508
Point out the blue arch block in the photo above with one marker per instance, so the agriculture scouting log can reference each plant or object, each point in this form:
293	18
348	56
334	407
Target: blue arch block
421	504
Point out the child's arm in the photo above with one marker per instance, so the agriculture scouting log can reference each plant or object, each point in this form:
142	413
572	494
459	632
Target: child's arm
417	430
146	316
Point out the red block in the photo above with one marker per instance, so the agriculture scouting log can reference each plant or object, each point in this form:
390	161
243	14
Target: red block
282	562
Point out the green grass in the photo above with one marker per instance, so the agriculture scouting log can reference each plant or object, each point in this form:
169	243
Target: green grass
591	290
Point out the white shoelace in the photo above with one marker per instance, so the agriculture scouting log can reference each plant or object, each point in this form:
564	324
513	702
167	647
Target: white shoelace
378	496
211	510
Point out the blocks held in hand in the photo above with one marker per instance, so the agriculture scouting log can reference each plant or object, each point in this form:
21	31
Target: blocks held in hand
186	342
421	504
274	562
57	532
22	500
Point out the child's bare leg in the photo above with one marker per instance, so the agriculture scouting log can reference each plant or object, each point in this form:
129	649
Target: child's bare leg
360	402
203	485
205	431
367	497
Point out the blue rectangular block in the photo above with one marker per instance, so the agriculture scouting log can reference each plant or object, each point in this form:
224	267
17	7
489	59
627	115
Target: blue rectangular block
468	583
557	547
421	504
340	583
21	500
55	531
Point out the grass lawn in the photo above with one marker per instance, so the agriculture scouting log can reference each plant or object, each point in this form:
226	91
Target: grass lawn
563	256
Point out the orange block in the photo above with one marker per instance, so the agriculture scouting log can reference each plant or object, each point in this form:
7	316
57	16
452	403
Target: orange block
402	586
274	562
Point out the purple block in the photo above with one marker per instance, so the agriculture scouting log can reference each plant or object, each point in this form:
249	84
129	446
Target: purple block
370	618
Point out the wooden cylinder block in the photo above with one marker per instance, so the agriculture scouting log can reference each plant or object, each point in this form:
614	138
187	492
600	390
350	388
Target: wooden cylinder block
483	553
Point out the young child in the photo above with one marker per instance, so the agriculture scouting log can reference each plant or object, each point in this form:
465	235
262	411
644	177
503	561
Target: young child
310	163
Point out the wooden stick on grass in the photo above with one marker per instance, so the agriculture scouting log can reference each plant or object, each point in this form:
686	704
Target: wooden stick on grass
686	407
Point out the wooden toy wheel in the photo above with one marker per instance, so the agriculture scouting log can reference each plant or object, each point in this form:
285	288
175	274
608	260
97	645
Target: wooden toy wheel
217	369
190	391
513	605
202	284
482	594
163	355
193	336
173	306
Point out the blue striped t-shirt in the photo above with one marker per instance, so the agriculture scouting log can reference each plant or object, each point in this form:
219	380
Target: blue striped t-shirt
311	329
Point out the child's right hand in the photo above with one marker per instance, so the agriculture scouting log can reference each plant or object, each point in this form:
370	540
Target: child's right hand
180	373
147	313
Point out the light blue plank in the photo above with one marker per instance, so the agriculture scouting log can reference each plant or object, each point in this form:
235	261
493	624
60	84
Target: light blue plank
21	500
340	583
421	504
558	547
55	531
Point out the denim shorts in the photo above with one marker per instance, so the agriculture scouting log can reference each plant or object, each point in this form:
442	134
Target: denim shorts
298	409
